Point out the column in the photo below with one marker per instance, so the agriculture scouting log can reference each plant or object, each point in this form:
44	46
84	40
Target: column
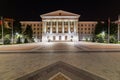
51	27
57	27
68	26
74	27
44	23
62	26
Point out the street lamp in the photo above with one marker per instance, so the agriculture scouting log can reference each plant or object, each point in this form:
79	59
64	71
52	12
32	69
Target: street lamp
2	30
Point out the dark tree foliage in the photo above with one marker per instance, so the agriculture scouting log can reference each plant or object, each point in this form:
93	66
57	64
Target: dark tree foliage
17	27
28	32
99	28
19	40
104	27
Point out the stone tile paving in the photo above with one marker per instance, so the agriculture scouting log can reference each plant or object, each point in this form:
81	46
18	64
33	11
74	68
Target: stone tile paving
106	65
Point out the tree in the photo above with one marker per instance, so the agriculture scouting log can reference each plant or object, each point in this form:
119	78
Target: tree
113	29
19	40
28	32
99	28
17	27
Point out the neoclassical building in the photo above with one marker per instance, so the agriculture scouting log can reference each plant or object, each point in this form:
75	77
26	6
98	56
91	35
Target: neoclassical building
61	26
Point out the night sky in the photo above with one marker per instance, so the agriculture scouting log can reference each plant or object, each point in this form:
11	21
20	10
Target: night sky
88	9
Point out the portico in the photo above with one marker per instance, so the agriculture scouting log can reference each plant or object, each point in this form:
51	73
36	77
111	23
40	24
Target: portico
60	26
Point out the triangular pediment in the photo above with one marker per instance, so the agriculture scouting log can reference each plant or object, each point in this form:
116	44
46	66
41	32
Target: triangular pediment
60	13
60	70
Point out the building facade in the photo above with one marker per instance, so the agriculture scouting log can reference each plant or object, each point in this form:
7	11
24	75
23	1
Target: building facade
61	26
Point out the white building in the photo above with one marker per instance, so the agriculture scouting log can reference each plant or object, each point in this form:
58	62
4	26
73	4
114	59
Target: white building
61	26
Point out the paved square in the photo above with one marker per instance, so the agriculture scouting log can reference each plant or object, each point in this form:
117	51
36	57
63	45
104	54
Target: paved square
103	64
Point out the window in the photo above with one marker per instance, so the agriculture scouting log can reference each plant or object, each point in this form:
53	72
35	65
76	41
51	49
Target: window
88	28
85	28
88	24
81	24
34	28
59	14
81	32
92	24
54	31
34	24
81	28
37	24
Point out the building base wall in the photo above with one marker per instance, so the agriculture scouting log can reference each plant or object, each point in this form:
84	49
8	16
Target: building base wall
60	37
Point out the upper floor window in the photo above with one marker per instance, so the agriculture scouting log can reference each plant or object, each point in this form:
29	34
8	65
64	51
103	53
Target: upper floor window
81	24
88	28
34	24
93	25
37	24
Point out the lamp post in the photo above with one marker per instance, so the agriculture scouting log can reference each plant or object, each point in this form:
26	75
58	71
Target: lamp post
12	33
118	27
2	30
108	29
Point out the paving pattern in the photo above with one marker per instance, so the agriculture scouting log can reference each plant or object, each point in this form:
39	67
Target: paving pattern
103	64
72	72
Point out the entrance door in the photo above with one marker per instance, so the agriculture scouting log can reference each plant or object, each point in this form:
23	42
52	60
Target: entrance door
53	38
65	37
59	37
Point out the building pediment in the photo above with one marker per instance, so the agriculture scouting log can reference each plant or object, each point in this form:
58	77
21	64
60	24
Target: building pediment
59	13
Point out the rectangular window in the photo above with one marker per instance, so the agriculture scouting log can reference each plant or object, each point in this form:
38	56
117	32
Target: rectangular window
81	24
37	24
88	28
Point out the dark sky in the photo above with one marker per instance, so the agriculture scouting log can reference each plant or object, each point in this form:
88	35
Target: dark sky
88	9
